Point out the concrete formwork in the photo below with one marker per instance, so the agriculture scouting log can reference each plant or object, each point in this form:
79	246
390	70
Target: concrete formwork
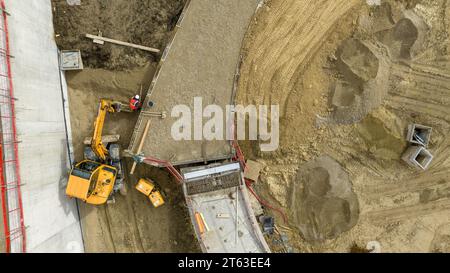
201	62
51	220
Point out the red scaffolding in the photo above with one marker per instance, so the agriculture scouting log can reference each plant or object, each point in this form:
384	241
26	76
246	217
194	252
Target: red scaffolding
9	165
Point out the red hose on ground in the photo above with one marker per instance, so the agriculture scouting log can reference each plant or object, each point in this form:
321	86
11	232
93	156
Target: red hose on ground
248	183
163	163
240	157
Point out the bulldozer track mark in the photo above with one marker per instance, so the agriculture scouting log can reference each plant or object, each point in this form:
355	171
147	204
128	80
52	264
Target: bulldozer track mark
108	227
409	184
413	105
441	159
408	212
285	48
428	83
137	235
422	94
423	71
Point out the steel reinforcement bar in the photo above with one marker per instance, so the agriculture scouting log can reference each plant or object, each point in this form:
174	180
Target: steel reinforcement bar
10	182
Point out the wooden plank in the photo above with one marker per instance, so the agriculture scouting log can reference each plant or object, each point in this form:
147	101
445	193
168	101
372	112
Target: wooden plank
141	145
117	42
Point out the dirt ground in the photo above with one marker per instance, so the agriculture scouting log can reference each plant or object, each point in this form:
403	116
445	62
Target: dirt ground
131	224
349	79
146	23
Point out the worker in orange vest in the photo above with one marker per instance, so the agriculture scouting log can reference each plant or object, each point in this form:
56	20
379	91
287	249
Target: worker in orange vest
135	103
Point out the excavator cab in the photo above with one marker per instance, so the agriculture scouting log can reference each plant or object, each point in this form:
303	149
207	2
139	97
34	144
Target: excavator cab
91	182
100	174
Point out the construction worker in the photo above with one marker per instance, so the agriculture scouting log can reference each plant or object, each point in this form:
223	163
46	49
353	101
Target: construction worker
135	103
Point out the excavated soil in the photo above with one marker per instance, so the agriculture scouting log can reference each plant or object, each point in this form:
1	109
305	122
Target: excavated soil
145	23
132	224
349	79
322	202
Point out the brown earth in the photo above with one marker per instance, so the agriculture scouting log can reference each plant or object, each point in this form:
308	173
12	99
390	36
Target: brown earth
114	72
131	224
349	78
146	23
353	108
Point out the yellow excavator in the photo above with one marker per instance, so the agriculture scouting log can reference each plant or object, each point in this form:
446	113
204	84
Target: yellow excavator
95	179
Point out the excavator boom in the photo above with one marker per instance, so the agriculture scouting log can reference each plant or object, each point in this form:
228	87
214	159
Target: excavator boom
97	145
105	106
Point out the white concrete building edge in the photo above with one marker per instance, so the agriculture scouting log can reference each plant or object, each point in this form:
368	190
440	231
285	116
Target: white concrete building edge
51	219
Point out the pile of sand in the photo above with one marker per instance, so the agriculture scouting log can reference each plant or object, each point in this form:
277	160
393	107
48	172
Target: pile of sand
364	61
364	68
322	202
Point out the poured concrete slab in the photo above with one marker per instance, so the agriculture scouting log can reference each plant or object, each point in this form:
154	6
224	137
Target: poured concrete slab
201	62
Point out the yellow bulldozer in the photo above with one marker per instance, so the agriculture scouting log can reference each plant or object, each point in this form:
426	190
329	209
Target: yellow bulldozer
95	179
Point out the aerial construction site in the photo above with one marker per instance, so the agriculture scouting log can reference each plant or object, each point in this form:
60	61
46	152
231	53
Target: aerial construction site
140	126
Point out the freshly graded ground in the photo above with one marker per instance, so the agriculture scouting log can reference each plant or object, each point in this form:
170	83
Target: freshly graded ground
349	79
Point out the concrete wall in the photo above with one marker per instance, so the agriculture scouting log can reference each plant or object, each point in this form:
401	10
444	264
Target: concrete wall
51	219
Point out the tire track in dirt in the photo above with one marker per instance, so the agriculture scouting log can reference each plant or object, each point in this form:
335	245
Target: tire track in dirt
108	228
289	48
424	84
283	47
411	104
425	92
407	212
410	184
